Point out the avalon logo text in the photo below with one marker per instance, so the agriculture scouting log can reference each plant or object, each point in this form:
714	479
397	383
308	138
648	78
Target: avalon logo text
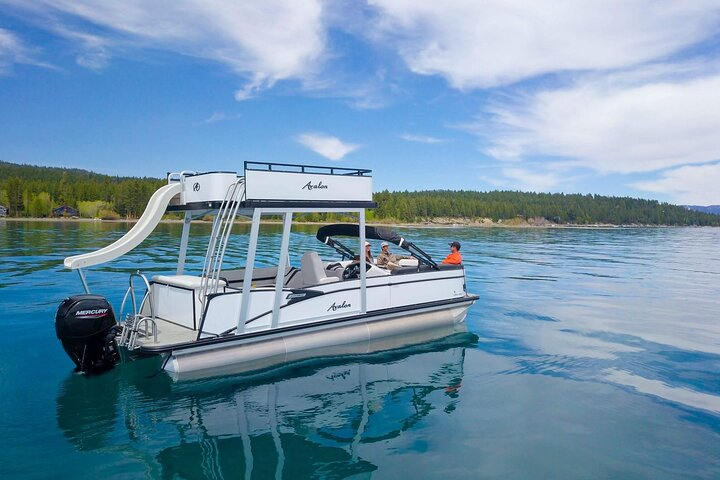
314	186
335	307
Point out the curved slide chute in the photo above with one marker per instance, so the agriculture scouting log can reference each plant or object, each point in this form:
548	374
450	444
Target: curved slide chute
144	227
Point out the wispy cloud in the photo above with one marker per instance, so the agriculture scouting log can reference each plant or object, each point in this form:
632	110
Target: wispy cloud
326	145
10	50
485	44
525	179
611	124
688	185
422	138
219	117
262	42
531	182
94	49
14	51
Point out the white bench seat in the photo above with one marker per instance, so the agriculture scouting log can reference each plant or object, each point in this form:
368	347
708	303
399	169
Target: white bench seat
189	282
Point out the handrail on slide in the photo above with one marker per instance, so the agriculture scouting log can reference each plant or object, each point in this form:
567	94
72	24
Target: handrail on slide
144	227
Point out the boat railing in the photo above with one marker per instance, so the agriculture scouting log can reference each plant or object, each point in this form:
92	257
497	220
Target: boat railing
146	322
222	226
134	319
291	168
130	293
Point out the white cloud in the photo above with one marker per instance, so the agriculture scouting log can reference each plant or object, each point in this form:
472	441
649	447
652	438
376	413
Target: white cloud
328	146
262	41
421	138
94	59
94	49
10	50
14	51
219	117
688	185
523	179
528	181
484	44
611	124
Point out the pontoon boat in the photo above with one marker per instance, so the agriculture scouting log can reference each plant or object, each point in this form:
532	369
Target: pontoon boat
226	319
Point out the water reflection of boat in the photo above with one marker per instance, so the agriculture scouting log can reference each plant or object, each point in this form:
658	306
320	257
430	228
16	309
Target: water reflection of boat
309	420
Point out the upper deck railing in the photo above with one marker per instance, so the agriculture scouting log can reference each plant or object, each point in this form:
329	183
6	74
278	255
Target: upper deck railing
292	168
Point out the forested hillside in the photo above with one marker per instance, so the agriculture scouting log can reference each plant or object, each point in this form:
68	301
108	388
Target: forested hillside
556	207
30	191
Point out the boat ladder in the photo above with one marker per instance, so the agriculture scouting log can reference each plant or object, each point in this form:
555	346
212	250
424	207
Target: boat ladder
210	279
135	321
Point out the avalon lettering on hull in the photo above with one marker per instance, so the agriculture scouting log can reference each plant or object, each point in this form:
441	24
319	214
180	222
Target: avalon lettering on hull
335	307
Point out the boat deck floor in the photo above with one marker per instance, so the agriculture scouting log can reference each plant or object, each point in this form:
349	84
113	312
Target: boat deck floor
168	334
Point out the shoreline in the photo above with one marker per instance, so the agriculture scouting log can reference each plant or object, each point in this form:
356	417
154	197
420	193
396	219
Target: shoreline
444	223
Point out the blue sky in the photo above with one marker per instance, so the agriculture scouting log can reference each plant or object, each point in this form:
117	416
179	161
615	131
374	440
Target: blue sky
608	97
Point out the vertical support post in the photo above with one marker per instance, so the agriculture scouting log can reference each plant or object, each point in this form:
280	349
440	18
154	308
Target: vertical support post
282	263
184	243
82	279
249	265
363	273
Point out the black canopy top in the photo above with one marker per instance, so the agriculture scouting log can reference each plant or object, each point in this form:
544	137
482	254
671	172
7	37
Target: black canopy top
325	234
353	230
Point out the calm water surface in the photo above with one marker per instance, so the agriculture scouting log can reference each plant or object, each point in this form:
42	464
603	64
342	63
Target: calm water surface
592	354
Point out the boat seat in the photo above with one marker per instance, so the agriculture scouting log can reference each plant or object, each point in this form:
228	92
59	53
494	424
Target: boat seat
313	270
408	262
334	270
188	282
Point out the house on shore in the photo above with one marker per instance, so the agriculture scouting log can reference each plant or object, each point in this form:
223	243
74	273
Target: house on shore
3	211
65	211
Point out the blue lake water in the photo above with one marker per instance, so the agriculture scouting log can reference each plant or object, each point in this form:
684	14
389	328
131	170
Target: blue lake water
592	353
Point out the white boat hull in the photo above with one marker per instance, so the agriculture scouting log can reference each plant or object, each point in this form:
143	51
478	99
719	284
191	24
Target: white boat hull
366	334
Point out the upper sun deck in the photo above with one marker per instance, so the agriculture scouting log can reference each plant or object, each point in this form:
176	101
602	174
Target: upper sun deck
276	185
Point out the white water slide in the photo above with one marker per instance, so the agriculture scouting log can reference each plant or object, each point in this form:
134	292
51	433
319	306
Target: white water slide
144	227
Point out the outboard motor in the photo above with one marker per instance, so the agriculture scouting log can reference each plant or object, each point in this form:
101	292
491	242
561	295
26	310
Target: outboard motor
85	324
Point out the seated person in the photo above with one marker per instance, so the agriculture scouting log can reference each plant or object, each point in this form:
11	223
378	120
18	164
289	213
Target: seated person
454	258
389	260
368	255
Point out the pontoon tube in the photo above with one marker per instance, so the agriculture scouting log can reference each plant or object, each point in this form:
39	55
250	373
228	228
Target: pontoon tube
356	338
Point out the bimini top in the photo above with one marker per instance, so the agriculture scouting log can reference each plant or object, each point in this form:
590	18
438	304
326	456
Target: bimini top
353	230
325	234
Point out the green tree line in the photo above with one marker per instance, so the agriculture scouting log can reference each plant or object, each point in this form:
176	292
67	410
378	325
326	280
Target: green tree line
33	191
554	207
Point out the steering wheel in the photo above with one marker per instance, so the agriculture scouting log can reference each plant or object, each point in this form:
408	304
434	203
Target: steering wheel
353	271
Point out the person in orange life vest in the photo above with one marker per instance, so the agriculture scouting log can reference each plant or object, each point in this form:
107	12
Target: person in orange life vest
454	258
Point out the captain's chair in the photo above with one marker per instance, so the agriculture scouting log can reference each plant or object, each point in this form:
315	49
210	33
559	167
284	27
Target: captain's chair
313	270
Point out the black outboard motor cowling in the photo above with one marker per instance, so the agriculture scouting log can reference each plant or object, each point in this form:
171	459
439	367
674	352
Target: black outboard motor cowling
86	326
